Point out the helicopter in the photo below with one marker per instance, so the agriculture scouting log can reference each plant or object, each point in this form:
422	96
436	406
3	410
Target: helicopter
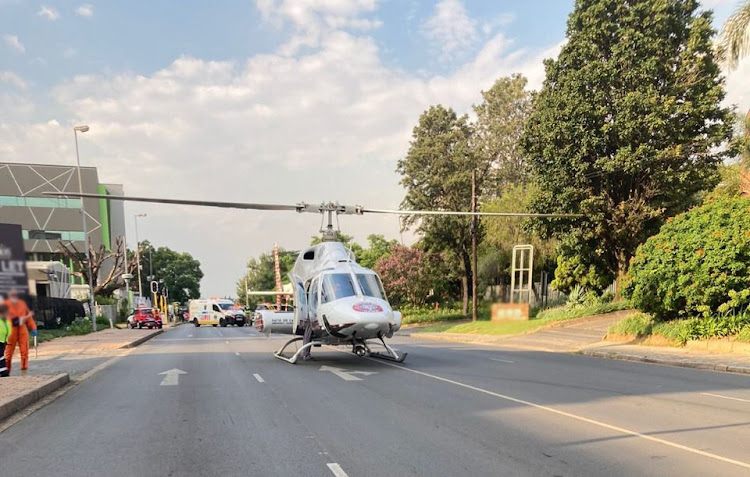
343	302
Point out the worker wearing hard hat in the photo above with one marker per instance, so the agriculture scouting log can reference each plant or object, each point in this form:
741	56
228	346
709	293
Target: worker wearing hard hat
4	335
22	323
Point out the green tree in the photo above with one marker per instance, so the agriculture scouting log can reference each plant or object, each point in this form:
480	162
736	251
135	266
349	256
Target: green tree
436	173
261	276
499	126
378	248
180	272
626	127
501	235
734	42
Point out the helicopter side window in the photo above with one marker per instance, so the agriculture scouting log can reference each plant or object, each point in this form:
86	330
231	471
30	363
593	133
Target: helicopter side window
313	300
370	285
337	286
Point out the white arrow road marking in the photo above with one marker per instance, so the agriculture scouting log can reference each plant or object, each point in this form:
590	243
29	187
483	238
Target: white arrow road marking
344	374
337	470
171	377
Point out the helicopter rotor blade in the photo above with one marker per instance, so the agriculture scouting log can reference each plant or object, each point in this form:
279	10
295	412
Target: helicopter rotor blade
469	214
204	203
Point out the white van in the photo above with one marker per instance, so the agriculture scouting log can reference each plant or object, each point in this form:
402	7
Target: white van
215	312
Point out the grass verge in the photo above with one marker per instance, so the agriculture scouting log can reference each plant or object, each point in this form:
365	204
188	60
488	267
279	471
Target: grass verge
678	332
485	327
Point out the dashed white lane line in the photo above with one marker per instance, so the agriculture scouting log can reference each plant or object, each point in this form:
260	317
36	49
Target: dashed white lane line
576	417
220	333
259	378
502	360
236	353
226	342
337	470
726	397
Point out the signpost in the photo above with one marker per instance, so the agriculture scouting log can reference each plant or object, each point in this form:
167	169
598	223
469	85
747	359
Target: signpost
12	260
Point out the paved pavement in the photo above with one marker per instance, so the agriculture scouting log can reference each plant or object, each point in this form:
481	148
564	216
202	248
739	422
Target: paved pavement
563	336
450	409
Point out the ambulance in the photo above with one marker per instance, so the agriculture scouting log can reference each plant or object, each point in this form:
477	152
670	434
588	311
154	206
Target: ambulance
214	312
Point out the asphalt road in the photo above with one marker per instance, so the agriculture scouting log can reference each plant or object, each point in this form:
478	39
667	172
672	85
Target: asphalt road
449	410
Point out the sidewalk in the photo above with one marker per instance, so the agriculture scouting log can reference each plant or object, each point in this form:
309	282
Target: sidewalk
562	336
686	358
63	360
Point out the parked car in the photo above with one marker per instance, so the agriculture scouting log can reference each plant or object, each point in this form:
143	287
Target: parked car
145	318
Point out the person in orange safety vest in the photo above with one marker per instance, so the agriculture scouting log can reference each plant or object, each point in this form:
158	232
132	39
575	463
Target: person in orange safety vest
22	322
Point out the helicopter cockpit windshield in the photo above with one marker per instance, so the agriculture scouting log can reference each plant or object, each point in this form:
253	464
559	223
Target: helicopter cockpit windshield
336	286
370	285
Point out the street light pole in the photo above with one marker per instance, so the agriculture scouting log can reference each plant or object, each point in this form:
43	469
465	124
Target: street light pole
138	255
92	306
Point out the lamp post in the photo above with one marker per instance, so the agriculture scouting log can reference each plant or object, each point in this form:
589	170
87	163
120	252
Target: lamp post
82	129
138	255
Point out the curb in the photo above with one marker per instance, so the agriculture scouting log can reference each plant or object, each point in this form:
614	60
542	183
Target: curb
666	362
142	339
49	386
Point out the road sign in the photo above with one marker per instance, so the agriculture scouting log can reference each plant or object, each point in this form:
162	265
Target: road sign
12	260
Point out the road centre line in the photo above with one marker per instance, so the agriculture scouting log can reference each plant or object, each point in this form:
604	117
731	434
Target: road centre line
337	470
726	397
259	378
576	417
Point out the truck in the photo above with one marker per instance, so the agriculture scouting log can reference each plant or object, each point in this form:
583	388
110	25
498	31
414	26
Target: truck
215	312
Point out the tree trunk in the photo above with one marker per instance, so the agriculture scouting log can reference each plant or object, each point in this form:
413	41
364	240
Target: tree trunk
622	269
745	159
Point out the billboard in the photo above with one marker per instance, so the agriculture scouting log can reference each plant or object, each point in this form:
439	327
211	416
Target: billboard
12	260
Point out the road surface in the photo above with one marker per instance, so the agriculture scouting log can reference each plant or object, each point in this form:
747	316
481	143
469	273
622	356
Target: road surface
449	410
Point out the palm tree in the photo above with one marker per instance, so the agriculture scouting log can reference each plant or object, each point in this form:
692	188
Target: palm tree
734	43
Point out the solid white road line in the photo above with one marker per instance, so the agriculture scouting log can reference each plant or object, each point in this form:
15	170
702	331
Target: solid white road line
576	417
726	397
259	378
502	360
337	470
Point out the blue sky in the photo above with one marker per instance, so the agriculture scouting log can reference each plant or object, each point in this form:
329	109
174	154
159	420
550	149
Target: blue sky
263	101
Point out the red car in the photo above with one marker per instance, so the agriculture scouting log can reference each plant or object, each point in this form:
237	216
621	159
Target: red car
145	318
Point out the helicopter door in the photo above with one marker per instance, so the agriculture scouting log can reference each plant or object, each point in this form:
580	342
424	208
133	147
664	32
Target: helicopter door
300	301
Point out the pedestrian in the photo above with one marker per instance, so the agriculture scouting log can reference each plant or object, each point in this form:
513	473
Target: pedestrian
4	335
22	323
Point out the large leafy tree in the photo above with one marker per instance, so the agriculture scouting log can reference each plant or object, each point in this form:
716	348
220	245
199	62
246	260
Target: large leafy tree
261	275
179	271
626	127
436	173
499	125
411	275
378	248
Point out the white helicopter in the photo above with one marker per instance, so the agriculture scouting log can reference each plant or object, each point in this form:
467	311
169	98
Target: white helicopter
343	302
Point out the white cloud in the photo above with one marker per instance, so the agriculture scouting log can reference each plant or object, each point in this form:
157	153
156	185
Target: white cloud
451	28
86	10
14	43
48	12
12	79
326	124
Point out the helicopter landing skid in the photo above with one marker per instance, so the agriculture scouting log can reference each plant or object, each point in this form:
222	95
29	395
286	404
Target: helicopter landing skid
389	354
280	353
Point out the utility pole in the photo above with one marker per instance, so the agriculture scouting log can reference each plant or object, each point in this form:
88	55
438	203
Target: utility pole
92	305
474	245
138	255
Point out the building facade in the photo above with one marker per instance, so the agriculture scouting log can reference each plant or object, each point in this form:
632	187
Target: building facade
46	220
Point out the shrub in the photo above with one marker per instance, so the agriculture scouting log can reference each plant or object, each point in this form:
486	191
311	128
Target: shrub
694	262
637	324
744	334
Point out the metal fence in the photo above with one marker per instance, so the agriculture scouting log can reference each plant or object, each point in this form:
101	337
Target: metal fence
51	313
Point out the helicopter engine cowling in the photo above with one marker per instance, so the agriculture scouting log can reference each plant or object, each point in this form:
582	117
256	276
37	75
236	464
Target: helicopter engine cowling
267	322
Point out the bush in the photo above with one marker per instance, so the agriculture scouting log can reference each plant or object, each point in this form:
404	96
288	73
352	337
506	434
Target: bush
638	324
695	261
744	334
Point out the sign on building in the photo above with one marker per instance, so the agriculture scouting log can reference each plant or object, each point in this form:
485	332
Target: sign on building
12	260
